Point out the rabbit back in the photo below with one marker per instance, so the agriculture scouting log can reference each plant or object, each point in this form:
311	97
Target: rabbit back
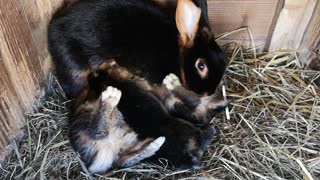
135	33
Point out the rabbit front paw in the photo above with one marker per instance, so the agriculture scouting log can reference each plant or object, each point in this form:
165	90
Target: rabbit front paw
111	96
171	81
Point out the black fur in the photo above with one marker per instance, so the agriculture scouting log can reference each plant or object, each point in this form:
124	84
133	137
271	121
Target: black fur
137	34
148	117
145	114
144	40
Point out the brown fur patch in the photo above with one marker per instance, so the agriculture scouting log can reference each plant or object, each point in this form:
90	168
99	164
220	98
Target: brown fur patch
206	33
134	150
83	104
209	103
182	74
121	73
69	3
84	138
315	65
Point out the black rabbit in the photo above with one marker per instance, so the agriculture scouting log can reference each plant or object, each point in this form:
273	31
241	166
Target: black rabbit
99	134
141	38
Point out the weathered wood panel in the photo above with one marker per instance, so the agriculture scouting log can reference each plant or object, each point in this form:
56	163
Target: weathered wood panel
38	14
22	55
228	15
19	68
292	24
310	44
10	109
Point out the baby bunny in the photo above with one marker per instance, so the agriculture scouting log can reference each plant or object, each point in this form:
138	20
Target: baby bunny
146	113
141	37
101	136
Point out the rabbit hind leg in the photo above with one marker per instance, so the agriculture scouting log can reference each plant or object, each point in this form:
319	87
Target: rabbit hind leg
141	151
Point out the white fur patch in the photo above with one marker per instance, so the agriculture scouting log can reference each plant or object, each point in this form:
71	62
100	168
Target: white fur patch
108	149
171	101
103	160
171	81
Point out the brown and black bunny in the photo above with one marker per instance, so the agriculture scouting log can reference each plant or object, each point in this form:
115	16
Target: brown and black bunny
141	38
100	135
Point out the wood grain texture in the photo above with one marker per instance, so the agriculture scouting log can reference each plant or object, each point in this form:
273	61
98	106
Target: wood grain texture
310	44
38	14
274	23
10	109
228	15
22	60
292	24
19	68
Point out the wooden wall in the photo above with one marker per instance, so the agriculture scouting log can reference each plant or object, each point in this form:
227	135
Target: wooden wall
258	15
298	27
24	60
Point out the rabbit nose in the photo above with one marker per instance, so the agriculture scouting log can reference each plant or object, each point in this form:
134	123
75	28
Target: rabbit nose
205	94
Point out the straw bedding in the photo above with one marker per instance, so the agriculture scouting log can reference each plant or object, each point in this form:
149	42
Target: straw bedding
273	131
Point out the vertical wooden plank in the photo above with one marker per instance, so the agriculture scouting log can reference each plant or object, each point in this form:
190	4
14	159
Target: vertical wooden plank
11	114
274	23
19	55
292	23
38	14
22	53
311	42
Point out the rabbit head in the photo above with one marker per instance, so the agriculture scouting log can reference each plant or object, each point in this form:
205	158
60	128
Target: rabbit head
201	62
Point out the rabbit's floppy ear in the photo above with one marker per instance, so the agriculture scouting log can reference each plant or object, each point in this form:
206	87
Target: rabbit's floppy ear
187	21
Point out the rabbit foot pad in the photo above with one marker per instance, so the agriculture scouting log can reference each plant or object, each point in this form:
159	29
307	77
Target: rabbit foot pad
111	96
171	81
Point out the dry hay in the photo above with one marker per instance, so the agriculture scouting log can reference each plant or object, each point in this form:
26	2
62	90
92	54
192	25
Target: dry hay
273	133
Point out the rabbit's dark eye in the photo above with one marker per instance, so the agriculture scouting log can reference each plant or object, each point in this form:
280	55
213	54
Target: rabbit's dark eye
202	68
